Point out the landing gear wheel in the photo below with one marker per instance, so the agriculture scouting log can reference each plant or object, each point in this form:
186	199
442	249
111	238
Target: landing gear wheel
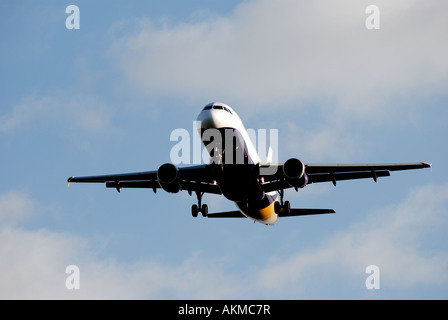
196	208
277	207
204	210
194	211
287	207
282	208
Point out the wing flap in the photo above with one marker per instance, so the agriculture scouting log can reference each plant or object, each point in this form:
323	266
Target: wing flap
133	184
326	177
200	187
274	179
325	168
192	179
136	176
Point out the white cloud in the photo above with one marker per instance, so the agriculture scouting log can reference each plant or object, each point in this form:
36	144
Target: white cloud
327	142
14	208
80	111
75	117
394	238
33	264
311	61
278	53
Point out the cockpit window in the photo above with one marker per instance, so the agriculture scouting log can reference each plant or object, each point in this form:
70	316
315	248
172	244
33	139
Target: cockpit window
217	107
228	110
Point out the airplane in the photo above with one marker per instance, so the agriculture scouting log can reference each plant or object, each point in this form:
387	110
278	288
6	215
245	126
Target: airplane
236	172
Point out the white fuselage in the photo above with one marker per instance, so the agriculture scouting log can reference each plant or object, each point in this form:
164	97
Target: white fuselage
236	174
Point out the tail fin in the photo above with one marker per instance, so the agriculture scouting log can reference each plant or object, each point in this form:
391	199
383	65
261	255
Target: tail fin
270	155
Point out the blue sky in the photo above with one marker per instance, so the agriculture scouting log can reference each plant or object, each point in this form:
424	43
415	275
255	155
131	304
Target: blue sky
105	98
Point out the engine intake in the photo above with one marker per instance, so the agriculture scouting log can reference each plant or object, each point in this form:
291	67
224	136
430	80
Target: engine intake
168	177
294	173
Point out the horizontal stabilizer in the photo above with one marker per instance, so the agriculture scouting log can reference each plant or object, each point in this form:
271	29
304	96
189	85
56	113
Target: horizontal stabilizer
305	212
226	214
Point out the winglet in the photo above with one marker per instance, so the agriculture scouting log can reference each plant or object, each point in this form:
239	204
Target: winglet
427	165
68	181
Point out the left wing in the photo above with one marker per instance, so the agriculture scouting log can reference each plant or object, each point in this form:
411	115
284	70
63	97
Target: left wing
191	179
336	172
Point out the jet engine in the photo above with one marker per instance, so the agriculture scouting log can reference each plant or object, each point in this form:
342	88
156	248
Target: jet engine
168	177
294	173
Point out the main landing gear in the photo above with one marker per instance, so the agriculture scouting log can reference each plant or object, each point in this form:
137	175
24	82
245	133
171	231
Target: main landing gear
196	208
282	207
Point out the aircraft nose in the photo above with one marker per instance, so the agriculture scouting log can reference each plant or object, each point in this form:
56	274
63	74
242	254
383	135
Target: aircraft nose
208	119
